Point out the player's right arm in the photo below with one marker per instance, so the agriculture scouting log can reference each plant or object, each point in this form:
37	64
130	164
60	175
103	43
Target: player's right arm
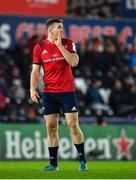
35	74
34	82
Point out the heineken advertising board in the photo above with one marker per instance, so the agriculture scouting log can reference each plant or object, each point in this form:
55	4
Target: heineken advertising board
28	142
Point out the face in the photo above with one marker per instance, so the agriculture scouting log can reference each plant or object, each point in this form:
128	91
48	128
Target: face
55	29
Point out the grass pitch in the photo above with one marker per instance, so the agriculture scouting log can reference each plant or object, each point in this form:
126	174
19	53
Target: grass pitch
68	170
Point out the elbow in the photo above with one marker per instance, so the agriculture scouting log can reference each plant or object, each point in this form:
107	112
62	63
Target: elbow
74	64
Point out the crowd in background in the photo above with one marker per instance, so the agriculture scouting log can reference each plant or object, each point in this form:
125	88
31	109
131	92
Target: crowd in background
107	71
105	80
93	9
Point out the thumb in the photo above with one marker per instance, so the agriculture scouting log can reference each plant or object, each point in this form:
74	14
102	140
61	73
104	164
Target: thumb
37	95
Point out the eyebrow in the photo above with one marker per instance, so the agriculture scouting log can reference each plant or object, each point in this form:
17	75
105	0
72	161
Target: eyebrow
60	26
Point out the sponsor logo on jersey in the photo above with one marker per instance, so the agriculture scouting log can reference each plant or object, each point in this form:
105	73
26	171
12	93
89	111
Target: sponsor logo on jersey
54	55
53	59
44	52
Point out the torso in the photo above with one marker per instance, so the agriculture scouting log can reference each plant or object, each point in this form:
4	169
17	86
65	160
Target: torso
57	72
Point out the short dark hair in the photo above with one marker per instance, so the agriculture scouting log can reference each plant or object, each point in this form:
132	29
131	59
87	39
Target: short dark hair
51	21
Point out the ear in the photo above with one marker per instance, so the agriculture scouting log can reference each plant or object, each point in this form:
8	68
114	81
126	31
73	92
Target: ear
49	30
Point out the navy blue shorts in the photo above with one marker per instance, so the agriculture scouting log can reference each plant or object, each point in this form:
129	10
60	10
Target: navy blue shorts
54	102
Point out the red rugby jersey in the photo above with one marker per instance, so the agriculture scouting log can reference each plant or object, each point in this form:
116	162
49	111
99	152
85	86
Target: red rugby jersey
58	75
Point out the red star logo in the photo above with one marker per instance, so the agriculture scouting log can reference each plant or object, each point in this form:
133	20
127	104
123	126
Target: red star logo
123	145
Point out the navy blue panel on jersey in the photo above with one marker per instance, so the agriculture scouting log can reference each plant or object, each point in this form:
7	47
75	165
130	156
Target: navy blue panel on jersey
54	102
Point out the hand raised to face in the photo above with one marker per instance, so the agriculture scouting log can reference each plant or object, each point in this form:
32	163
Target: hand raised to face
56	33
57	38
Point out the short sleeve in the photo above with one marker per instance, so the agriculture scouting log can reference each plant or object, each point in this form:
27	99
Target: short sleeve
36	55
71	47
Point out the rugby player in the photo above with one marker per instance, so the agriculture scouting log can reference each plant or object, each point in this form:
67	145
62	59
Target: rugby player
56	56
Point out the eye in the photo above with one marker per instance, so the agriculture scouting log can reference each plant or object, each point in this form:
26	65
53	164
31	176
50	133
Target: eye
61	27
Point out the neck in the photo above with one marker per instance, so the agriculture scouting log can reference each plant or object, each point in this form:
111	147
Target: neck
50	39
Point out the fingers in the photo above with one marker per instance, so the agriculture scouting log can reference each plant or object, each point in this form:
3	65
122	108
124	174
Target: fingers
35	97
57	40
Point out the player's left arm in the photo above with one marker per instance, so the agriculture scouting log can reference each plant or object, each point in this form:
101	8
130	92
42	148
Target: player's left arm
71	58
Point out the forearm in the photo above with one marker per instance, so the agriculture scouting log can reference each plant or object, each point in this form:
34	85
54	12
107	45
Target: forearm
34	80
71	58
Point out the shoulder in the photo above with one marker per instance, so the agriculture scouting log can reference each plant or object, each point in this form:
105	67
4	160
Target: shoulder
41	44
69	45
37	47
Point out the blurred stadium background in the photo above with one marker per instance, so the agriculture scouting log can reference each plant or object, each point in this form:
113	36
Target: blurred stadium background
104	32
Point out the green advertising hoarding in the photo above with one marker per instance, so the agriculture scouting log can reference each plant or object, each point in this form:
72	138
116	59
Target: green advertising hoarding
28	142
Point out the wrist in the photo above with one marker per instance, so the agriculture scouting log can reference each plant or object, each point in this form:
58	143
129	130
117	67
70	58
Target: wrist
32	89
60	46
